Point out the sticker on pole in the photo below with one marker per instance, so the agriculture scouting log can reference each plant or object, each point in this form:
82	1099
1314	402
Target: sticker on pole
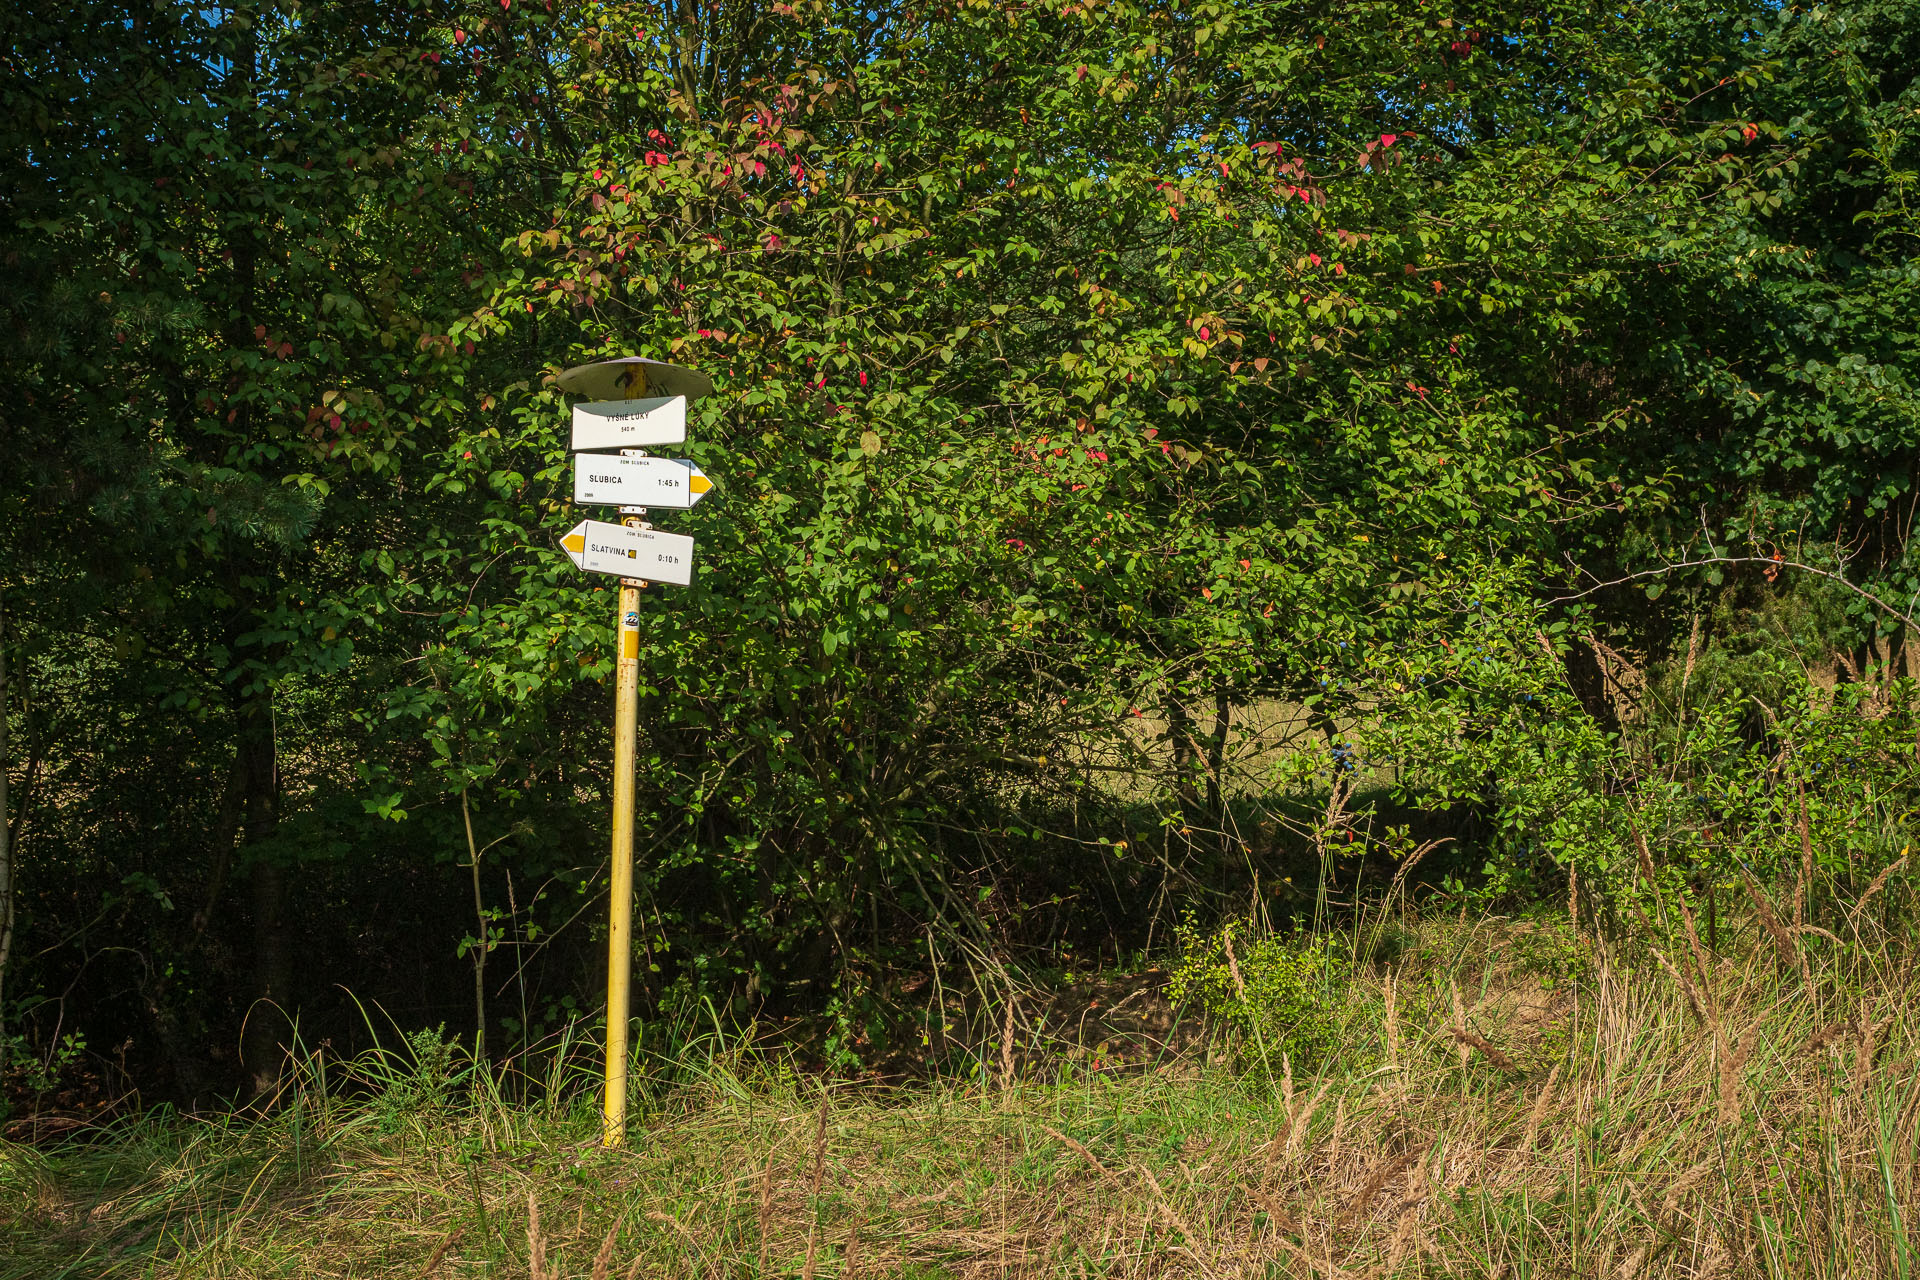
649	554
611	480
619	424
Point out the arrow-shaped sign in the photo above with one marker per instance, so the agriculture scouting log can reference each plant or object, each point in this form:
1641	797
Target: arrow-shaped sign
617	424
648	554
637	482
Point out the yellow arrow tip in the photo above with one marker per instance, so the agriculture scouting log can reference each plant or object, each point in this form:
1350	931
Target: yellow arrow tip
699	484
575	542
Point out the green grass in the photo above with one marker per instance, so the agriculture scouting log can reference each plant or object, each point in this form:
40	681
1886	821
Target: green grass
1590	1122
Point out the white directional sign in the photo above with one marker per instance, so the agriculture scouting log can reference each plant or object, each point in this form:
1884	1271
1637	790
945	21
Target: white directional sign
599	547
637	482
618	424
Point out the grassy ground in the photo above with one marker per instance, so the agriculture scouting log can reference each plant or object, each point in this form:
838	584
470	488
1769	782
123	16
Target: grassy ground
1505	1103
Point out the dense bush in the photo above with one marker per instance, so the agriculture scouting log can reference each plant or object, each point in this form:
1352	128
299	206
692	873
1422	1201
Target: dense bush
1162	449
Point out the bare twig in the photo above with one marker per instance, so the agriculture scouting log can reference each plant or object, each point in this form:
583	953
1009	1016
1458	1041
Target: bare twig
819	1175
1006	1047
433	1262
766	1209
1080	1150
1664	570
536	1243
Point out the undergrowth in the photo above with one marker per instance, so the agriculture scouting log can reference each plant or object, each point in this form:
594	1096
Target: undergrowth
1506	1098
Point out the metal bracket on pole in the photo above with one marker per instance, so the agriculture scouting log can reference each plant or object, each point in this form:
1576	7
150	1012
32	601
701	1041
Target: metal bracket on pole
634	517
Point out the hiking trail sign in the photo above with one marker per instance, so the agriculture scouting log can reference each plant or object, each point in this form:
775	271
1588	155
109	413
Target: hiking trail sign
633	402
638	482
620	424
627	551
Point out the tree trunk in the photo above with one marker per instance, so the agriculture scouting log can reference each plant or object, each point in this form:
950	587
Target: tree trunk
1216	771
182	1040
1588	680
6	834
1217	755
1187	764
263	1046
1185	758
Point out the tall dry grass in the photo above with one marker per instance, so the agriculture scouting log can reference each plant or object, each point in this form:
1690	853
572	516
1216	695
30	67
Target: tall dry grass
1510	1100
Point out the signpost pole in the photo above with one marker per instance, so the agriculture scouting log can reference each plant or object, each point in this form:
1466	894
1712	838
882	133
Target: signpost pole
626	730
620	929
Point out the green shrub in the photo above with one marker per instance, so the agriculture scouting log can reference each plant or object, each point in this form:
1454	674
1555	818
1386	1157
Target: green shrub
1277	997
422	1081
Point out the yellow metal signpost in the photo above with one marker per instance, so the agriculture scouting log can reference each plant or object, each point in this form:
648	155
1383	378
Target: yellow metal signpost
668	558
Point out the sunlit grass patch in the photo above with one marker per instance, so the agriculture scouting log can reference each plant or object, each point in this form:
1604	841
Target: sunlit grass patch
1502	1099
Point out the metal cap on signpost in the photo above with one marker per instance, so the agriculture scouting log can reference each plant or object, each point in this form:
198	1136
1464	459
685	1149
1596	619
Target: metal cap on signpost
635	401
631	377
